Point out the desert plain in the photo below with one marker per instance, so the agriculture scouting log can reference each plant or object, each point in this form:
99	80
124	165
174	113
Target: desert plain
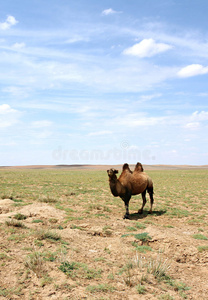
63	236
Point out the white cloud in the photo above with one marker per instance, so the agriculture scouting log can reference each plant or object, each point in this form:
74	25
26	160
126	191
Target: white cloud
145	98
192	125
98	133
194	121
192	70
109	11
200	116
76	39
6	109
8	116
41	124
19	45
10	21
138	119
147	48
16	91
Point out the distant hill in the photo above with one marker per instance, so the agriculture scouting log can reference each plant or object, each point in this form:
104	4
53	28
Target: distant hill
105	167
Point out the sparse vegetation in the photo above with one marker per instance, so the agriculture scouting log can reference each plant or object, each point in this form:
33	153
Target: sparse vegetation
100	288
76	269
143	237
47	234
35	263
68	267
200	237
158	267
15	223
47	199
77	244
140	226
37	221
142	248
20	216
203	248
141	289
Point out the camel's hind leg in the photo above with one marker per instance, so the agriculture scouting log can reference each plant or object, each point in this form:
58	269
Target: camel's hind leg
150	191
140	211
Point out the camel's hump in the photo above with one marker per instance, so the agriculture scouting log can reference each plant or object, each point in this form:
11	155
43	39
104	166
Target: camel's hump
139	167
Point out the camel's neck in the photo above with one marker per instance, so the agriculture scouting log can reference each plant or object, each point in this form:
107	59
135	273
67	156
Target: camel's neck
115	186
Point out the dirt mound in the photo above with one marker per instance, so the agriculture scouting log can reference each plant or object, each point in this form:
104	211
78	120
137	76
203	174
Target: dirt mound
31	211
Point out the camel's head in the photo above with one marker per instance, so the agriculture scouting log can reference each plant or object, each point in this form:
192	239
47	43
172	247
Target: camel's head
112	173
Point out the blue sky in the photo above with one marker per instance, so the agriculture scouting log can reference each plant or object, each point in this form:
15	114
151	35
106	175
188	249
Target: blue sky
103	82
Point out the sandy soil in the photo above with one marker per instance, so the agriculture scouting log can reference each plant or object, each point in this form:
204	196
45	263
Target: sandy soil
87	242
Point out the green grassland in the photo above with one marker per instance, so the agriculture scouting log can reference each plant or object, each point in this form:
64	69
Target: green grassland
84	197
178	193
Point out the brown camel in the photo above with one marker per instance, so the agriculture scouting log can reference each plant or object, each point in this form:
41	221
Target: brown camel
131	183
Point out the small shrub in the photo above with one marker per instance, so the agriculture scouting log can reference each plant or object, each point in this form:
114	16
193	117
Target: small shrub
15	223
37	221
107	250
100	288
140	289
166	297
143	237
90	273
47	234
200	229
9	293
6	196
200	237
158	268
47	199
128	234
107	230
180	286
4	256
128	272
17	200
76	269
35	263
53	220
68	267
177	285
50	256
140	226
46	280
76	227
20	216
129	228
202	248
141	249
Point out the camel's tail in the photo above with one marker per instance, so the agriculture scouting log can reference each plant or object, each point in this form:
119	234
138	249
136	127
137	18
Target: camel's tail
150	188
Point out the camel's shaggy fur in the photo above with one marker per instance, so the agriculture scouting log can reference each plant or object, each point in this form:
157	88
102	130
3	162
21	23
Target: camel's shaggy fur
131	183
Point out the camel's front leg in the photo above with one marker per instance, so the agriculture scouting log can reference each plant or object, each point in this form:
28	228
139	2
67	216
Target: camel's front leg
126	200
140	211
126	216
